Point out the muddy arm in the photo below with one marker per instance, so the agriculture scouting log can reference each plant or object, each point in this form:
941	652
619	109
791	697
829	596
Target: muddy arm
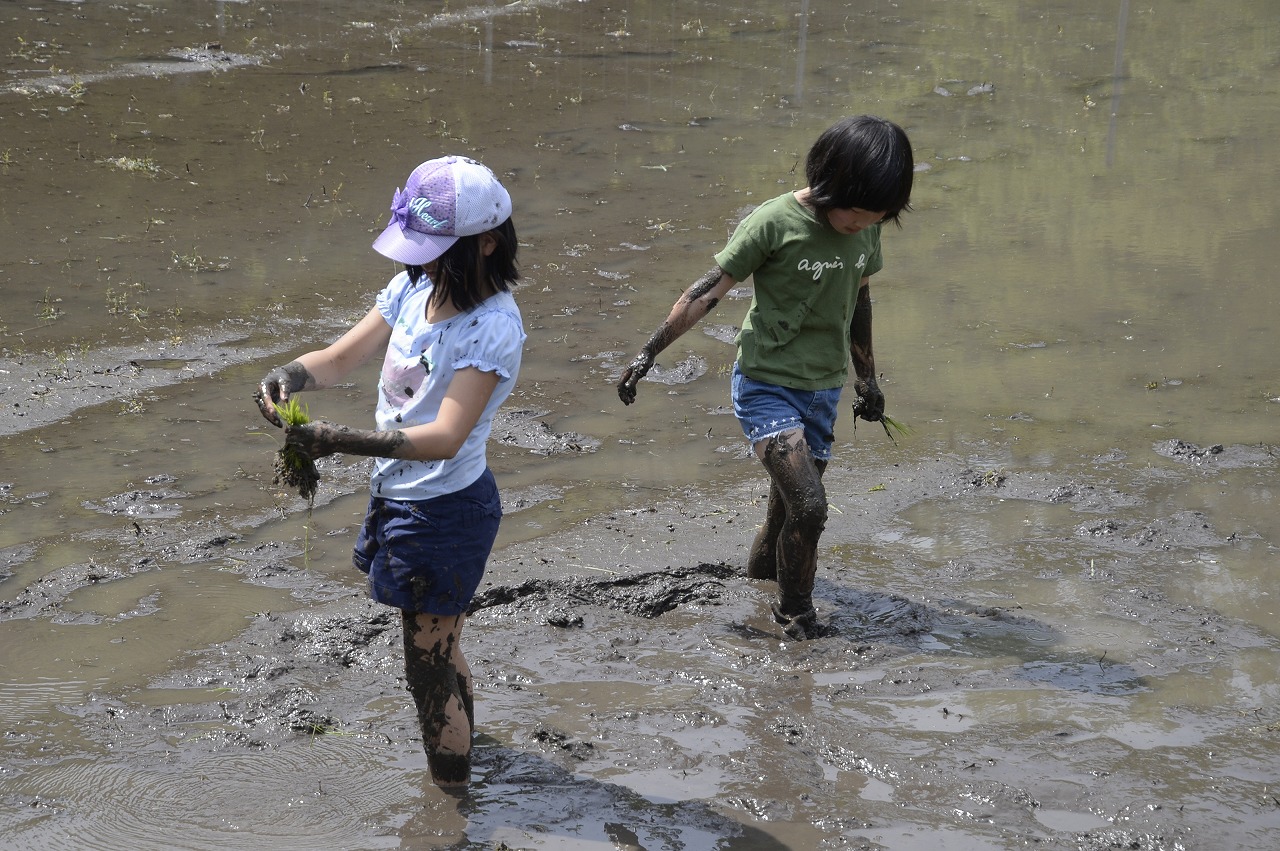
464	403
321	439
696	302
870	402
323	367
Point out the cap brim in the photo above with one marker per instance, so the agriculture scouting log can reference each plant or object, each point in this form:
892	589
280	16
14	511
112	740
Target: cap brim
410	247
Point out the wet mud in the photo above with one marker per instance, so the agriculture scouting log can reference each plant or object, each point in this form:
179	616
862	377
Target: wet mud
1048	615
637	707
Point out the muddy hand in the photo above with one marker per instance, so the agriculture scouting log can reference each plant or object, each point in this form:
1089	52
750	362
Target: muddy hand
276	387
266	407
870	402
314	439
631	377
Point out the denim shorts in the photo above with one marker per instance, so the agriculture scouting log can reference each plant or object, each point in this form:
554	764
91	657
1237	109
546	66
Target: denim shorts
765	410
429	556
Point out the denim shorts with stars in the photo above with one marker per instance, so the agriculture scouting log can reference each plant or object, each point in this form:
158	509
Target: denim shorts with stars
765	410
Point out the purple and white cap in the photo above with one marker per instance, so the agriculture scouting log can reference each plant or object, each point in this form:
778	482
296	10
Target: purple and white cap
442	200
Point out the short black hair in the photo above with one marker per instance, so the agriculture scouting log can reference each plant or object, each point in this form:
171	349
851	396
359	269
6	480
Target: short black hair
862	161
463	270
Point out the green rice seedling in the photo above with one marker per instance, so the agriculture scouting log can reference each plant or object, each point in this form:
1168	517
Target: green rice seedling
292	468
891	426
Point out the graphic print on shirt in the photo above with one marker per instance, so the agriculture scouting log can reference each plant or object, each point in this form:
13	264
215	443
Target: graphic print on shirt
405	373
819	267
403	378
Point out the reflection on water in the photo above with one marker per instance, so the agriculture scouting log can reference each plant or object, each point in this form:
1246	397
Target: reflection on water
1087	272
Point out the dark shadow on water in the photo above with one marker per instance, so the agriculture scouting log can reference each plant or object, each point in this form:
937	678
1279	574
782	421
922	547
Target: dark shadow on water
954	627
557	809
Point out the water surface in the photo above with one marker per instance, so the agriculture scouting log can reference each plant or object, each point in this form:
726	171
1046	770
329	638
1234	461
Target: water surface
188	196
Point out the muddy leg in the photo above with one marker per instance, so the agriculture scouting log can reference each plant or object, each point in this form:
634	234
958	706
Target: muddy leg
465	689
797	477
762	560
441	691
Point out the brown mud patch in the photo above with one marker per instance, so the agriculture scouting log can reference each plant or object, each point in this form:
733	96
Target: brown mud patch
39	388
623	704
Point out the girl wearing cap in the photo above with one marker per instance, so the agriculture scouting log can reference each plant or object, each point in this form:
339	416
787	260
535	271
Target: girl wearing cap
452	336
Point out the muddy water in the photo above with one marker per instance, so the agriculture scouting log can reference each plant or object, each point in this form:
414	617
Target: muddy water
1055	619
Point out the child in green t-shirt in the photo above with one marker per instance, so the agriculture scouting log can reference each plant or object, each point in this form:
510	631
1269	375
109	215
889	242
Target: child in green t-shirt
811	254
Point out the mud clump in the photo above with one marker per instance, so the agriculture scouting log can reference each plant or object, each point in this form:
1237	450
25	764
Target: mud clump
296	472
293	469
1181	450
527	430
646	595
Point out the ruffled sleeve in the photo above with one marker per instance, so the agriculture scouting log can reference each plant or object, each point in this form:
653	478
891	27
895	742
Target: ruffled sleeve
491	341
391	298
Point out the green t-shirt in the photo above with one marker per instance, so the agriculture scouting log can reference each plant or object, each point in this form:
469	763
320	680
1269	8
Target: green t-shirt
807	274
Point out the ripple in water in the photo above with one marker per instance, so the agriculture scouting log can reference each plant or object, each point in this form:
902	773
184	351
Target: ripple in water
320	794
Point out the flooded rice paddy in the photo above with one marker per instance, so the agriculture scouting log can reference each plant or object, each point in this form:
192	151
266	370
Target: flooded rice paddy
1054	608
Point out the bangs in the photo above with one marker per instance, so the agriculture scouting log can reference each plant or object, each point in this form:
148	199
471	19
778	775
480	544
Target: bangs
863	162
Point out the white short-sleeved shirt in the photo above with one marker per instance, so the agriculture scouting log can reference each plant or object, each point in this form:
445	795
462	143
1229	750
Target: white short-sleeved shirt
421	360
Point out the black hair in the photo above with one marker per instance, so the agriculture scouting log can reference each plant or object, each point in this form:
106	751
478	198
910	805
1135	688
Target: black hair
463	274
864	162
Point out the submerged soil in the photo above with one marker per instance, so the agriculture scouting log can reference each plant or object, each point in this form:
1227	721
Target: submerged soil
1051	608
634	692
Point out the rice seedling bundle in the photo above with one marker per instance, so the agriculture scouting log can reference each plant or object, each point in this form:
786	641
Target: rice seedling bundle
891	426
292	468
